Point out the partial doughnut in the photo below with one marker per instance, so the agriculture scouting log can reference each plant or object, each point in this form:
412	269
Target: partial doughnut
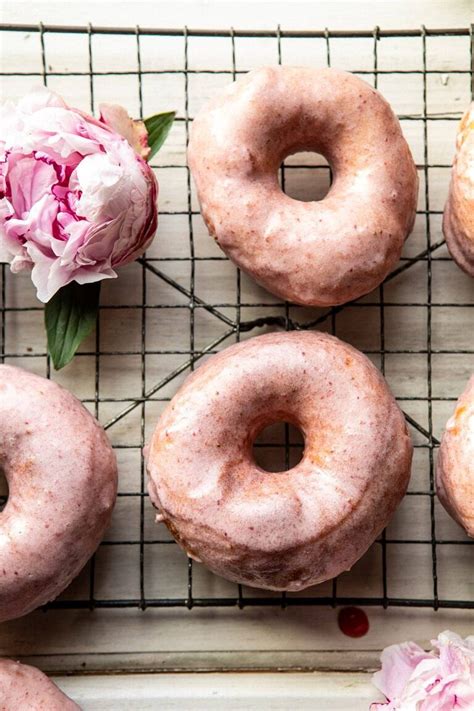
458	219
455	471
62	477
315	253
24	688
287	530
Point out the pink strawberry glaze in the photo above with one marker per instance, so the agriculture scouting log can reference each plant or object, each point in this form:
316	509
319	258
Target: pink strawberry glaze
62	477
288	530
458	219
455	472
316	253
24	688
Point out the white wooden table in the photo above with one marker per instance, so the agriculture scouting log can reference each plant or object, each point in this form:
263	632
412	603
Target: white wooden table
255	638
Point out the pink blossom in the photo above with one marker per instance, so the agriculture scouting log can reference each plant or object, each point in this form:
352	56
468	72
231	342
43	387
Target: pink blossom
415	680
76	199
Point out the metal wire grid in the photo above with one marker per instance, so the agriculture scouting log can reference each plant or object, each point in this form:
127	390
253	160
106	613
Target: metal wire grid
236	326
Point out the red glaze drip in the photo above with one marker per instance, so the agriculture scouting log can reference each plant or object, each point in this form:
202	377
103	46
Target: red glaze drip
353	622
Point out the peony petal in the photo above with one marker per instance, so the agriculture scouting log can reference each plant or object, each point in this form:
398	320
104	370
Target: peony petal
20	262
10	243
456	654
88	276
78	200
39	98
447	697
104	187
61	134
6	211
414	680
101	241
40	273
29	181
38	225
133	131
77	232
398	663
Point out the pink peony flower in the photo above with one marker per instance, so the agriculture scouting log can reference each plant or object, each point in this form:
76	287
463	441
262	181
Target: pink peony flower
76	199
415	680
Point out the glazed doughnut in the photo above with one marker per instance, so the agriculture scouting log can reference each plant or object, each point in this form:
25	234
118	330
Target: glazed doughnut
455	471
314	253
458	219
62	478
24	688
287	530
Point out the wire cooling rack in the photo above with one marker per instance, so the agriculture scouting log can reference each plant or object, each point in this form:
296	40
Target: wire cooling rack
239	309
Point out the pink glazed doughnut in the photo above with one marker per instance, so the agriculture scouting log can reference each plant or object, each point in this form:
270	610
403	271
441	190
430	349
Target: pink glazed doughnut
288	530
62	478
314	253
455	471
458	219
24	688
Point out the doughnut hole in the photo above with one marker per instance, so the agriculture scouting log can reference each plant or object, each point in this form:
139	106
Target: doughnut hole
278	447
3	490
306	177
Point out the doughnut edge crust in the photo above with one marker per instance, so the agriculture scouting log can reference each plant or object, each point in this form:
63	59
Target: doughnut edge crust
24	688
313	253
455	470
62	477
293	529
458	218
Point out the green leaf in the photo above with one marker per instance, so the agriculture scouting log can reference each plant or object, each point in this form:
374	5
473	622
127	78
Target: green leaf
158	127
69	317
